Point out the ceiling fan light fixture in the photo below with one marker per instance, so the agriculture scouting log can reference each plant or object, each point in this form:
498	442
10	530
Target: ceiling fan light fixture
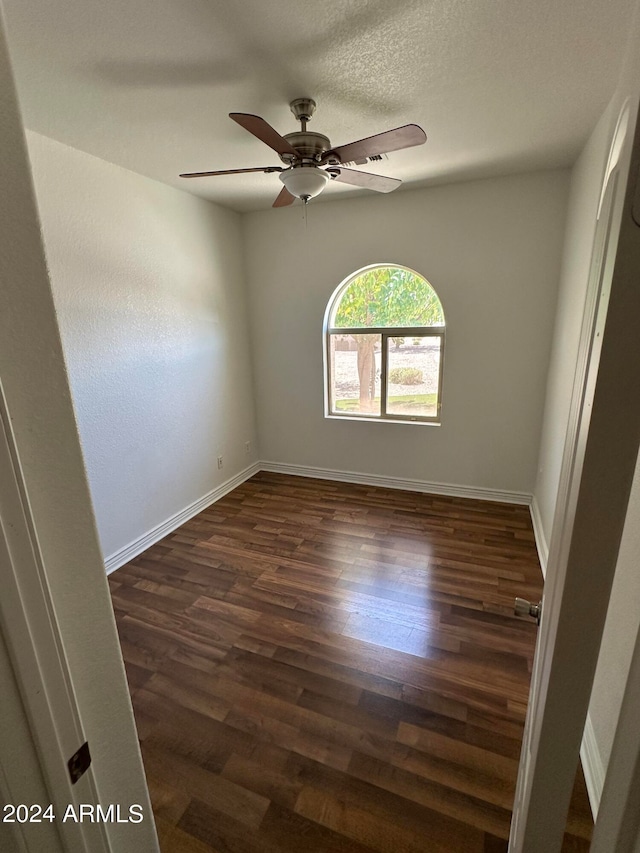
304	182
305	155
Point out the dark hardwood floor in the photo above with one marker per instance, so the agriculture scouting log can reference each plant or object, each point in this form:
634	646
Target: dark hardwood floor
319	666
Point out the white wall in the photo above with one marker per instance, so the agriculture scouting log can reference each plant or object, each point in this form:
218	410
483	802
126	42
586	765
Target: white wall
621	630
491	249
36	388
148	284
584	195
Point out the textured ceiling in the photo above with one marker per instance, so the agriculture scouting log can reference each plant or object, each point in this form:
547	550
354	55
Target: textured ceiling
499	85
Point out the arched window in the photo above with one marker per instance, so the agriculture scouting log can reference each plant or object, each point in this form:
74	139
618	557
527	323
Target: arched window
384	336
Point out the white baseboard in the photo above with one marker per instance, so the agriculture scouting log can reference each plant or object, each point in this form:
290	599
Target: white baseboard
446	489
592	766
538	531
133	549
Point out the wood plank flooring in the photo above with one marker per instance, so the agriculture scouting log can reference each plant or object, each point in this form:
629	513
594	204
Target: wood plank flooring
319	666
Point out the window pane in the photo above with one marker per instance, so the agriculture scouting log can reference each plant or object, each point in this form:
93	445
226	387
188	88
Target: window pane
413	376
355	374
387	296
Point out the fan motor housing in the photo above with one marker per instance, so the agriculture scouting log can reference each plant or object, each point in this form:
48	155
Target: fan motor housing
308	144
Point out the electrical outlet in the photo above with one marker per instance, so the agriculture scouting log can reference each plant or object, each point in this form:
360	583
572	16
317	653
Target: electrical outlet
247	446
219	462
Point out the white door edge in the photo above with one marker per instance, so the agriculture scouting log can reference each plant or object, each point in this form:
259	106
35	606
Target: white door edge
29	628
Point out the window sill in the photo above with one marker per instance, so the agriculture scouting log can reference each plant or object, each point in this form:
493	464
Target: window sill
375	420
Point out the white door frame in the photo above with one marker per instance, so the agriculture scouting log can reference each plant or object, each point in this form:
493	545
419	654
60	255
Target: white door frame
29	634
598	466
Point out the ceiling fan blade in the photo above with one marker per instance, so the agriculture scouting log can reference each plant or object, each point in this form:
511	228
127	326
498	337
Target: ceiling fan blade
379	183
265	169
264	132
284	198
382	143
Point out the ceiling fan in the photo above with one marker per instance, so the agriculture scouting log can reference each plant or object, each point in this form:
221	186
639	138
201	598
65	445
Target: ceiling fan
311	162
